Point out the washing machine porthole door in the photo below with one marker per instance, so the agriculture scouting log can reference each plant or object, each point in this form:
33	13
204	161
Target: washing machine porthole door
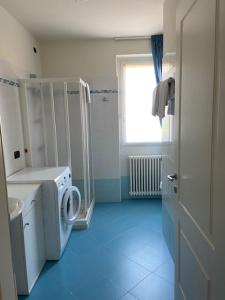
71	205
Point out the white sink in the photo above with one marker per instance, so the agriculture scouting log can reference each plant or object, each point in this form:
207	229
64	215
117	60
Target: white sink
15	207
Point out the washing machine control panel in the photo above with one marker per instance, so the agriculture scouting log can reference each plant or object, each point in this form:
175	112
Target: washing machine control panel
64	180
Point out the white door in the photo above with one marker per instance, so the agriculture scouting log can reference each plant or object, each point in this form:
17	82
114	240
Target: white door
199	218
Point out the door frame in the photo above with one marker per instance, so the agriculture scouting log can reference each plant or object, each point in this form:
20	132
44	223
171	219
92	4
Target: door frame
7	279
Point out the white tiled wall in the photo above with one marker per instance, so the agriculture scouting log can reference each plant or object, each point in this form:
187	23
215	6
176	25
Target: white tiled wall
17	60
11	127
105	137
105	130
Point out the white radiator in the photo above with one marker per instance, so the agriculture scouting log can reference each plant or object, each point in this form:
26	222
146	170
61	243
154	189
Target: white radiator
145	175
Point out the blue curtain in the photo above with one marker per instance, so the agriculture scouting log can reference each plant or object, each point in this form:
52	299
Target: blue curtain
157	54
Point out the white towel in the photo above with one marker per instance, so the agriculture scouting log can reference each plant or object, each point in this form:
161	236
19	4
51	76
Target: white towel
171	97
88	93
155	101
163	97
171	107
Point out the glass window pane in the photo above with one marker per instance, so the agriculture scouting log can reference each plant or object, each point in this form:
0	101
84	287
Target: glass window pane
140	125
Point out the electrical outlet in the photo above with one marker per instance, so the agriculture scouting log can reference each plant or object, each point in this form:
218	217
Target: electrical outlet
17	154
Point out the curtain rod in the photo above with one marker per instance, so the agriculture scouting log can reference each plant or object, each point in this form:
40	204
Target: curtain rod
132	38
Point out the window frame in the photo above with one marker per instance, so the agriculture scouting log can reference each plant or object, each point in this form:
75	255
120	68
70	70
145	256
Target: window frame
121	61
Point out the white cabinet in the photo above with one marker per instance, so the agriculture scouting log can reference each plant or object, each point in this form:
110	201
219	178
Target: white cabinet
34	244
28	246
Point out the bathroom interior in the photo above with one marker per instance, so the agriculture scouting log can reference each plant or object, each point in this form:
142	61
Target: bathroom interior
110	142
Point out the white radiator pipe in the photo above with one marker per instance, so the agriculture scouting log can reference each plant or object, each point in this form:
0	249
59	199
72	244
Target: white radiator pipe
145	175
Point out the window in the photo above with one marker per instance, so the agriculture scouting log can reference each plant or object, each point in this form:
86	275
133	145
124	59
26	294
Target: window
137	81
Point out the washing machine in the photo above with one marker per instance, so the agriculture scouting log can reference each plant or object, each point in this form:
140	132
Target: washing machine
61	204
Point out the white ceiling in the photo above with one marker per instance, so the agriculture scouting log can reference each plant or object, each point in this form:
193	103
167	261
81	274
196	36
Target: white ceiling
53	19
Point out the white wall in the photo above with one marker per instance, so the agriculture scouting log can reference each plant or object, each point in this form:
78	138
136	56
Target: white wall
17	60
11	127
87	58
169	26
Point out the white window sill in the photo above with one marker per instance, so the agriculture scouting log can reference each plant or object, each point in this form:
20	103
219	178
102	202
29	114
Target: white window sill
150	144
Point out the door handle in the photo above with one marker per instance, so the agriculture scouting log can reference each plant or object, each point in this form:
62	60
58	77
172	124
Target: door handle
27	224
172	177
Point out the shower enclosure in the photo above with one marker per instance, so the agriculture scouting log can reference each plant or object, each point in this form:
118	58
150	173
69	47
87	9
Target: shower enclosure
56	117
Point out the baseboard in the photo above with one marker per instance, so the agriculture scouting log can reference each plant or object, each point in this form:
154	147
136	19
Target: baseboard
84	222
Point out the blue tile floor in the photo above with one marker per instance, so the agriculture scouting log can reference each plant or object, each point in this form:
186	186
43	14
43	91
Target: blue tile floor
121	256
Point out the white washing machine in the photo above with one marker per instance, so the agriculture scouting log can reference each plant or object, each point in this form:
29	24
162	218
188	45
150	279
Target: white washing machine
61	203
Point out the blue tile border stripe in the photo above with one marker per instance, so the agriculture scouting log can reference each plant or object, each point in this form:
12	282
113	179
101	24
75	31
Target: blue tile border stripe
73	92
104	92
95	92
9	82
16	84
